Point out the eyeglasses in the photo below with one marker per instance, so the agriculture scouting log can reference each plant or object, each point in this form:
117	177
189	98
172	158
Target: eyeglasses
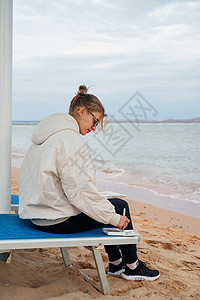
96	121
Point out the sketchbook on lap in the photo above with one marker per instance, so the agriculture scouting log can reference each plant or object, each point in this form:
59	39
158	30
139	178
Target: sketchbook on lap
116	231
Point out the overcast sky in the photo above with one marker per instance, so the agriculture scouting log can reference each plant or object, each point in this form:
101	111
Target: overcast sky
120	47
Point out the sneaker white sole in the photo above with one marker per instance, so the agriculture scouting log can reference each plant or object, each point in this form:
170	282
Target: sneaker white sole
139	278
117	273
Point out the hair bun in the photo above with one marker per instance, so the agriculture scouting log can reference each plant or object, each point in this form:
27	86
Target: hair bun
82	89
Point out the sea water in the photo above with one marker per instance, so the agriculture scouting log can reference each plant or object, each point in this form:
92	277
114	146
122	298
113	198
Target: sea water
152	163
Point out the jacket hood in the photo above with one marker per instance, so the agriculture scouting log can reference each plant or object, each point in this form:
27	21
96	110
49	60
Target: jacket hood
53	124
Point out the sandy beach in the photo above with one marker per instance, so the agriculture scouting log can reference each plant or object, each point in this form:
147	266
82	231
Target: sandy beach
169	242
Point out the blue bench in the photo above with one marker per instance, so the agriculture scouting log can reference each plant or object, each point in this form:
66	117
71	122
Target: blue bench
16	233
15	203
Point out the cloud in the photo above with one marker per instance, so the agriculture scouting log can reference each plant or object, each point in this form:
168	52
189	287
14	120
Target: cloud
119	47
73	29
104	3
175	9
165	11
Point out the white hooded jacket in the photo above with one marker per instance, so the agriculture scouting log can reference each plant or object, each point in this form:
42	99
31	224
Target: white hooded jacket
57	178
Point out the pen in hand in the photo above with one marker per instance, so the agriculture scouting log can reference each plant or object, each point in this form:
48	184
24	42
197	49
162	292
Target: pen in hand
124	213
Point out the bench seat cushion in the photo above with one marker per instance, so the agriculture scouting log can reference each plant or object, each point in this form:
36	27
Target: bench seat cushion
12	227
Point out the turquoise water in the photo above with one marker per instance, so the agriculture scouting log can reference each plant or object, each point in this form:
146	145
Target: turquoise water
163	158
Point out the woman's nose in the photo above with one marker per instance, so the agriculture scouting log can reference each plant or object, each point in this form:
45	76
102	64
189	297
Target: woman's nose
93	128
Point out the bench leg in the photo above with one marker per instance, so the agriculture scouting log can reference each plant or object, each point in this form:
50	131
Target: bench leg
104	286
65	256
105	289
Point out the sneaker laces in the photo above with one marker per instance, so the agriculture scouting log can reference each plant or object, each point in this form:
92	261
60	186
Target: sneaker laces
142	264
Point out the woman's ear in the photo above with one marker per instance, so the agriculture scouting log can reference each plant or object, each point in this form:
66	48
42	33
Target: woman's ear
81	110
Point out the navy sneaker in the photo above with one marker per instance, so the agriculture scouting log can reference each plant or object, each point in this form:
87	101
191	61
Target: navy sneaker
141	272
116	270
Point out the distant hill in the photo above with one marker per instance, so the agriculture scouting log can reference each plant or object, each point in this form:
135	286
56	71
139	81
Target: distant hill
194	120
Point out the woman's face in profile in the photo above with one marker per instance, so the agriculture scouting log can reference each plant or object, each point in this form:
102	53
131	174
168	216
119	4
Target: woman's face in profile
87	120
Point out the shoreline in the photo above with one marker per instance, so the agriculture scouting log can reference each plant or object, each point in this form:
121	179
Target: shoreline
165	244
153	213
148	196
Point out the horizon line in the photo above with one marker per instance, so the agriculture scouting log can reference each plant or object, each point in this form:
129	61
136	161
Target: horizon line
193	120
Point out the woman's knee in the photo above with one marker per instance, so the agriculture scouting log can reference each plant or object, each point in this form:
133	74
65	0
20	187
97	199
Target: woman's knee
119	203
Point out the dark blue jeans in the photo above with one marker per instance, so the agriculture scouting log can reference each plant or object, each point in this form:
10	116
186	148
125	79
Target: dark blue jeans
82	222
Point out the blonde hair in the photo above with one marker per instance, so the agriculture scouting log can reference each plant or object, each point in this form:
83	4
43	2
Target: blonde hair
89	101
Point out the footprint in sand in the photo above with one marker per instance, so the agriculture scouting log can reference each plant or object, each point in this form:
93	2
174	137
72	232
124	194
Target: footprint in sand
164	245
190	265
86	265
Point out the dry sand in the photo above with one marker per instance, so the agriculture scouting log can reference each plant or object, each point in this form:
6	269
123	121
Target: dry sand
169	242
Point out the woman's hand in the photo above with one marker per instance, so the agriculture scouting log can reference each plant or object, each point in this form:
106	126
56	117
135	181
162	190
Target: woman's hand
123	222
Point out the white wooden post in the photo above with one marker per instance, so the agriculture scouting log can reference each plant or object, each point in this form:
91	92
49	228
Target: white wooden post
6	12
